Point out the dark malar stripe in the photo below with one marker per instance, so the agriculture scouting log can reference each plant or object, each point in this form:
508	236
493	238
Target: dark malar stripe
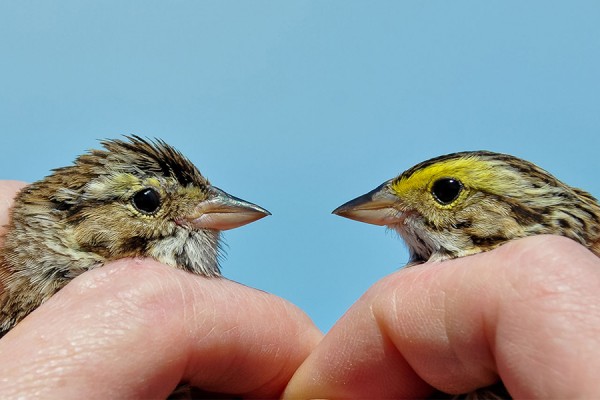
488	241
528	215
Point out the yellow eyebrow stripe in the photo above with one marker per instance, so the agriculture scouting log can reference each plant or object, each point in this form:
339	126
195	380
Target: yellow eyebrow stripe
473	171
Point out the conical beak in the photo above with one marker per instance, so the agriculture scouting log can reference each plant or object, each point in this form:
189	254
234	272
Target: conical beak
222	211
378	207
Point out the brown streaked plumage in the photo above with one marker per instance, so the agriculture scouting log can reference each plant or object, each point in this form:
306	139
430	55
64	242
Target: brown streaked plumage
132	198
498	198
465	203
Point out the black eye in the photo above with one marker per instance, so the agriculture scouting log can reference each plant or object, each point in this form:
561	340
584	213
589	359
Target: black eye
446	190
146	200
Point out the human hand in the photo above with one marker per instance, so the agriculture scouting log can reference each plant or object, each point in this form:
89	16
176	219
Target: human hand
527	312
135	328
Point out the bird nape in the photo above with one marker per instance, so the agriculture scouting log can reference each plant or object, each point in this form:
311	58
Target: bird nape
133	198
466	203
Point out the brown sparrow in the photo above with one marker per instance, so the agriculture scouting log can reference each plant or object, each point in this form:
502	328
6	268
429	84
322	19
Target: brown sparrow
133	198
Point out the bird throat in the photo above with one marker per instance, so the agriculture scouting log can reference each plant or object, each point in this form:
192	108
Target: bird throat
194	251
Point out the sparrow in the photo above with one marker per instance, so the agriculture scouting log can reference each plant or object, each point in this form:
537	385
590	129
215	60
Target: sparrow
470	202
133	198
466	203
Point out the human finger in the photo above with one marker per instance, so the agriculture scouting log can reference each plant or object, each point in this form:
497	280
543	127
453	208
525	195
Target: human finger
526	313
8	190
136	328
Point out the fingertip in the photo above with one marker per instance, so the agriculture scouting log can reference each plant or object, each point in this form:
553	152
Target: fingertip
8	190
11	185
356	359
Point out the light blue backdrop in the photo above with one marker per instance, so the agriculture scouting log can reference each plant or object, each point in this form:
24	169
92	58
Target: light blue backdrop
300	106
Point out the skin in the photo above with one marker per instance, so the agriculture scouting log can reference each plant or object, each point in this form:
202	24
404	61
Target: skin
516	312
527	312
135	328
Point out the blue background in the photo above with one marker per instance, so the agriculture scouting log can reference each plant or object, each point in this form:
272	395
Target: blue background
300	106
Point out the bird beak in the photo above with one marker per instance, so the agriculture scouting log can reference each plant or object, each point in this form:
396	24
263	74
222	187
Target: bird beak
222	211
378	207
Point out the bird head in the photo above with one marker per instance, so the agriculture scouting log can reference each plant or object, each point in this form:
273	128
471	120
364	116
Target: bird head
132	198
468	202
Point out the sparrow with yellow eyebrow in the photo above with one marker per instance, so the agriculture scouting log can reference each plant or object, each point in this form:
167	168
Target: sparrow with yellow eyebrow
134	198
469	202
